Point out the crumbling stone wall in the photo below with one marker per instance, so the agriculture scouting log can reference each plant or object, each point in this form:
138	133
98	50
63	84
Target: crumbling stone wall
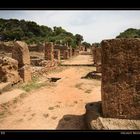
36	48
97	55
9	70
57	54
93	52
120	87
21	54
77	51
65	54
36	61
70	51
99	68
96	52
73	51
49	51
81	48
6	46
61	48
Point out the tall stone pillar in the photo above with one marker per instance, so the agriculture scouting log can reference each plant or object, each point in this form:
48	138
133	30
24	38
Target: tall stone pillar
49	51
120	88
57	54
20	53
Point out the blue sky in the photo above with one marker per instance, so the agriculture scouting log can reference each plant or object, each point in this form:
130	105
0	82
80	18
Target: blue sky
94	25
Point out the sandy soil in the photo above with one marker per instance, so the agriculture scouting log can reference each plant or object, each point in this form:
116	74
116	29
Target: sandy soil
80	59
59	106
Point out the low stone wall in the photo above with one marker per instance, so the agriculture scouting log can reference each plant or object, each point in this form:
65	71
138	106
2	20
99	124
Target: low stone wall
36	61
45	66
36	48
6	46
9	70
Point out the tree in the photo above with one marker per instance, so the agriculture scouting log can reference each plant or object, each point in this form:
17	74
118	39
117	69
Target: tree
79	39
58	30
130	33
31	32
86	44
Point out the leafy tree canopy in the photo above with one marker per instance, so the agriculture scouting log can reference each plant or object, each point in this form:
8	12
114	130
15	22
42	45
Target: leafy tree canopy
31	32
130	33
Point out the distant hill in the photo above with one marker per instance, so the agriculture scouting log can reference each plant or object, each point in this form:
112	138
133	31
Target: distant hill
130	33
31	32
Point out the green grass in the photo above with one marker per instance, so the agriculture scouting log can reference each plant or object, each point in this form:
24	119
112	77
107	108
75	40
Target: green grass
33	85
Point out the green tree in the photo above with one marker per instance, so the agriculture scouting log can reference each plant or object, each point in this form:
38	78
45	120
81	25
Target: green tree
79	39
130	33
31	32
86	44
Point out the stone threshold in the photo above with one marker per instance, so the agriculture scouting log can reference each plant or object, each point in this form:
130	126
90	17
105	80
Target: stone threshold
95	120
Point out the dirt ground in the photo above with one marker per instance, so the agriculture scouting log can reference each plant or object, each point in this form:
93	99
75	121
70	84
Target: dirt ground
80	59
58	106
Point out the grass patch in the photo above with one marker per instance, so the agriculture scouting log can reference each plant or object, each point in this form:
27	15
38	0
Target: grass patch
33	85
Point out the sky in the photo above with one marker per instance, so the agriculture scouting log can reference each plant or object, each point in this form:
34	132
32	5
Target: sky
93	25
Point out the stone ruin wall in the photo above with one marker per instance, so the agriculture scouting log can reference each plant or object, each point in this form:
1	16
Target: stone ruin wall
20	53
37	48
96	53
6	46
9	70
49	51
62	49
120	87
57	55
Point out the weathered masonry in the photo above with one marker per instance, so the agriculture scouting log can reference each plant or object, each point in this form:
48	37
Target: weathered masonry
21	54
49	51
121	78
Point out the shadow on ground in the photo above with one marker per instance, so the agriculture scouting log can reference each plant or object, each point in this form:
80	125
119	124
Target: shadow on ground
72	122
92	75
93	111
81	122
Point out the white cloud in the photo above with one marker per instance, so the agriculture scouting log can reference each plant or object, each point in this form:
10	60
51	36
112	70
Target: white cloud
93	25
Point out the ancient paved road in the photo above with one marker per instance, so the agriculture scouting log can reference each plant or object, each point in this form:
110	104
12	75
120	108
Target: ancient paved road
58	106
79	60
